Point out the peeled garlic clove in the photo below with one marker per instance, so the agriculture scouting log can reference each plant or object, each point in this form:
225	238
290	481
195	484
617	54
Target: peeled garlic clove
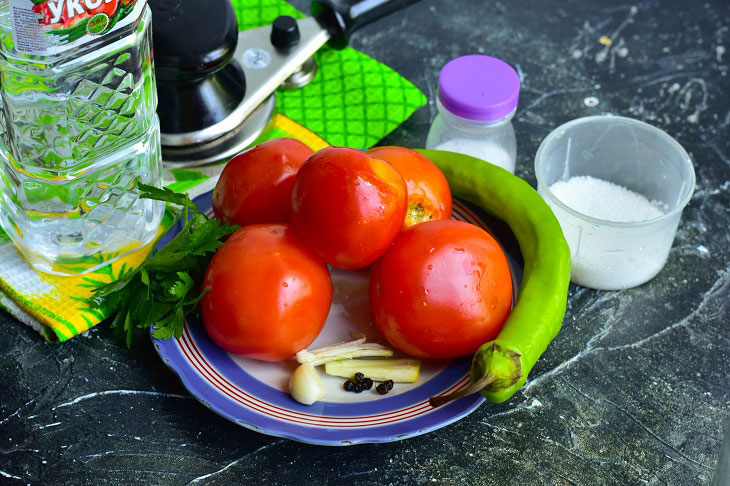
305	385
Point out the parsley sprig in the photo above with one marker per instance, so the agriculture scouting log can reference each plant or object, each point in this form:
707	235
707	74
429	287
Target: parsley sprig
166	287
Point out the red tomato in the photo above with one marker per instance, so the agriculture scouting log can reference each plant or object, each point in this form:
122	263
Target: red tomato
269	295
442	290
255	187
429	196
108	7
348	207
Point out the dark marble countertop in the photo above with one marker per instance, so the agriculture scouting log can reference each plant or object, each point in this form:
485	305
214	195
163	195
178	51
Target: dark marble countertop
634	390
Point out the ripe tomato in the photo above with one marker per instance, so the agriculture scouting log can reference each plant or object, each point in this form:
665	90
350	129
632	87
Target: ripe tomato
269	295
348	207
255	187
429	196
442	290
108	7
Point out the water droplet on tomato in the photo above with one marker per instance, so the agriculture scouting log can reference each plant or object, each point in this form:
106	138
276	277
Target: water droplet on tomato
284	284
430	267
493	304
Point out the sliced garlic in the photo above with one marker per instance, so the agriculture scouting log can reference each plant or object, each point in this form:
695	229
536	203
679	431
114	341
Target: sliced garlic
335	352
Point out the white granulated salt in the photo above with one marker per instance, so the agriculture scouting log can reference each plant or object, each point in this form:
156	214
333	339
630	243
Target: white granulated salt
604	256
605	200
488	151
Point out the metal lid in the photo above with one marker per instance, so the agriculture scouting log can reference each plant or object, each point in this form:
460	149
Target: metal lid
479	87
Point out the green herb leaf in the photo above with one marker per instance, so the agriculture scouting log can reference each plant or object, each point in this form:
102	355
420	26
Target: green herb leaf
166	287
145	277
182	285
129	327
152	192
207	236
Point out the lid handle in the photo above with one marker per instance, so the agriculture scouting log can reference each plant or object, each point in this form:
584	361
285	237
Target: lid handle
343	17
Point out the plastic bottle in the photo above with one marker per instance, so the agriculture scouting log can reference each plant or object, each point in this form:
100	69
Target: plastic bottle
477	99
78	131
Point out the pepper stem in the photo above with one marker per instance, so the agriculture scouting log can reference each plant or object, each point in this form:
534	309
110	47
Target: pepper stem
473	388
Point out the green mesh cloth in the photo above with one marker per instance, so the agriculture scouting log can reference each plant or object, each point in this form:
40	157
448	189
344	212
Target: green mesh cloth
353	101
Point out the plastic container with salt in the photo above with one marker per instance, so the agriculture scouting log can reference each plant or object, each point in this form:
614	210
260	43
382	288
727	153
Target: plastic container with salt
618	187
476	101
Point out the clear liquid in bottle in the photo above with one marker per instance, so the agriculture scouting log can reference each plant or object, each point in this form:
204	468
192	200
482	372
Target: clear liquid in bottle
78	131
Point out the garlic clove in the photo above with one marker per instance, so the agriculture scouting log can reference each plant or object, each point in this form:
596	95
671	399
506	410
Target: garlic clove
305	385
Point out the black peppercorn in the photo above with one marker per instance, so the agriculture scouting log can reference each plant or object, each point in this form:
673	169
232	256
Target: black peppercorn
359	383
384	387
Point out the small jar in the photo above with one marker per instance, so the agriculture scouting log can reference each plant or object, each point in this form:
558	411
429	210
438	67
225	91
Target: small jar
477	99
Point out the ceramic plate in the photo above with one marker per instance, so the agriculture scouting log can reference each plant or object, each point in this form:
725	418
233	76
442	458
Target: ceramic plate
255	394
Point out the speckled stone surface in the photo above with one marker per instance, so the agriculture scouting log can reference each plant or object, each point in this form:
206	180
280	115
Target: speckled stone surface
634	390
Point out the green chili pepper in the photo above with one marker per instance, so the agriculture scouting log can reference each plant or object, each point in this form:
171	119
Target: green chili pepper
500	367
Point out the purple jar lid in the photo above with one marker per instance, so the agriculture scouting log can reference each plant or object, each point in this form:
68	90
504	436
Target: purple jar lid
479	88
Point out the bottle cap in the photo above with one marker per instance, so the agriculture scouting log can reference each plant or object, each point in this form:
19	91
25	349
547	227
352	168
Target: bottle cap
479	87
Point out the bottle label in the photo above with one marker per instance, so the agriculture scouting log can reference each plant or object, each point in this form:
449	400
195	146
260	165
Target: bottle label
48	27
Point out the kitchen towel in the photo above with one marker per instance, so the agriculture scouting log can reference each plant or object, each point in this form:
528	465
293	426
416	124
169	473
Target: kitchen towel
353	101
